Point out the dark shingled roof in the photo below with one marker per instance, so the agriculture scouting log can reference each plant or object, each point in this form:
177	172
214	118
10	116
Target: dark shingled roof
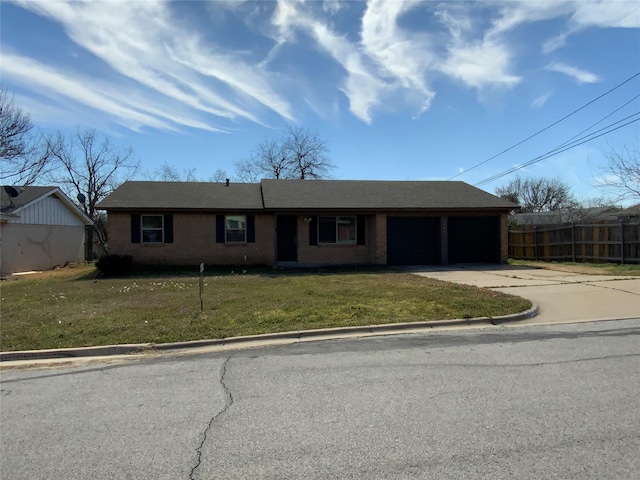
377	195
303	195
26	195
184	196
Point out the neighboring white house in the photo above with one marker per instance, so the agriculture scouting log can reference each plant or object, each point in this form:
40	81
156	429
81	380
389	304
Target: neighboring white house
40	229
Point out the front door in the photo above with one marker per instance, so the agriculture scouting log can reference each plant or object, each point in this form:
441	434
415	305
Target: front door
287	238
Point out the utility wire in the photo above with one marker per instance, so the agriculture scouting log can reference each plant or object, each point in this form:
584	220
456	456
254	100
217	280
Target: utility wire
601	120
558	150
537	74
548	127
568	142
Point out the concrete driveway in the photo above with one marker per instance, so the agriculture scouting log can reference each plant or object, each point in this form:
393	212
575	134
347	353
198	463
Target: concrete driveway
561	296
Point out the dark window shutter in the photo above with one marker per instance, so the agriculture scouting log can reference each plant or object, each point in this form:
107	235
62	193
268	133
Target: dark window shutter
168	228
313	231
135	228
219	228
251	228
361	225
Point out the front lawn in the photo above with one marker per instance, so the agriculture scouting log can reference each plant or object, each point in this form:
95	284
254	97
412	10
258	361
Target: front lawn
73	307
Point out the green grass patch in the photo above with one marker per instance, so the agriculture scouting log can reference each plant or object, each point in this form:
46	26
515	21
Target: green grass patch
586	268
75	307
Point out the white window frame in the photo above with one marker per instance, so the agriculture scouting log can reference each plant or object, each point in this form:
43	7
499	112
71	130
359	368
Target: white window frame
156	229
243	220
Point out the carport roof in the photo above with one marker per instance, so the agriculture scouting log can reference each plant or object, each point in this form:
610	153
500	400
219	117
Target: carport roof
302	195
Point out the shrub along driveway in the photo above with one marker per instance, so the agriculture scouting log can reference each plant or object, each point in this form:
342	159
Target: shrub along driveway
561	296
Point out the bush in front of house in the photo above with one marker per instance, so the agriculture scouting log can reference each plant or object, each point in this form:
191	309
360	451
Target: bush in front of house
112	265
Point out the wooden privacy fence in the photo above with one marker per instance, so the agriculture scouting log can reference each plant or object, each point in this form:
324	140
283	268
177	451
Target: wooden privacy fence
613	242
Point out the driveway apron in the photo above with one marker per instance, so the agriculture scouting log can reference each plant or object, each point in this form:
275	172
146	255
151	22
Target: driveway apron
561	296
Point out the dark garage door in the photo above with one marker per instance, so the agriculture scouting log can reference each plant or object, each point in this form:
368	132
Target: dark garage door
474	239
413	240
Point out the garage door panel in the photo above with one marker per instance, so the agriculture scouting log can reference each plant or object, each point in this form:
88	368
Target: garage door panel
413	240
474	239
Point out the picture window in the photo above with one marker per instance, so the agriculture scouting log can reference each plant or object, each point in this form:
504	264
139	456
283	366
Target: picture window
340	230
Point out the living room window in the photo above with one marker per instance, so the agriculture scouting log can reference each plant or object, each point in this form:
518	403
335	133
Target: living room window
337	230
152	228
235	228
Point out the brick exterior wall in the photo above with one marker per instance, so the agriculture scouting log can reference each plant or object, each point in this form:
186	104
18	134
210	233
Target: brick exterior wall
194	241
504	237
380	235
335	254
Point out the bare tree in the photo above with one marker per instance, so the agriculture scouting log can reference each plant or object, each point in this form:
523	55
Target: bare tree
218	176
269	160
538	195
91	169
24	154
300	154
169	173
248	171
624	173
166	173
307	152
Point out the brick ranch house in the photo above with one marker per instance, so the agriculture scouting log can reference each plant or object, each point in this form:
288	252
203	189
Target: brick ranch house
307	222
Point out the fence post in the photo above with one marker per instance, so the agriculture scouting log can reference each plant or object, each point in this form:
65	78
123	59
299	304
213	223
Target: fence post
622	242
535	241
573	242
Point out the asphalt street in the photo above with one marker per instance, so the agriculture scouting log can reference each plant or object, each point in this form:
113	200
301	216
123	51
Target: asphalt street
554	401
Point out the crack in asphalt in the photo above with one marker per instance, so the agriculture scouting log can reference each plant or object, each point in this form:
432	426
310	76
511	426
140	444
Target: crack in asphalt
228	403
539	364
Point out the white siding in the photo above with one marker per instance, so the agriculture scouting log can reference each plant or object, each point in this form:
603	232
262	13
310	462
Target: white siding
39	247
48	211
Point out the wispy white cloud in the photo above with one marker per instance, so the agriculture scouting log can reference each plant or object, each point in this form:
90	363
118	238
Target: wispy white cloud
606	13
540	100
331	6
362	86
129	111
515	13
478	62
554	43
404	57
579	15
388	60
481	64
143	42
582	76
600	14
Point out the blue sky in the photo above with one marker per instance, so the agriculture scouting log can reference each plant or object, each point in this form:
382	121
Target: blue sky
400	90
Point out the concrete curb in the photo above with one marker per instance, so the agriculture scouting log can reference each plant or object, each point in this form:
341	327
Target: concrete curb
365	330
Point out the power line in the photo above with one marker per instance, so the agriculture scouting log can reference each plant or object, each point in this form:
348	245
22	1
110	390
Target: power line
558	150
601	120
536	74
570	141
547	127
